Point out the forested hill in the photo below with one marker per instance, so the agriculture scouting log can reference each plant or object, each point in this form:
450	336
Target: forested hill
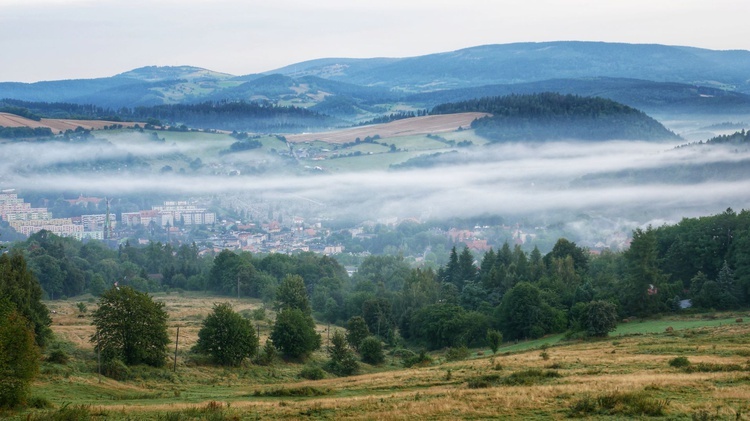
222	115
551	116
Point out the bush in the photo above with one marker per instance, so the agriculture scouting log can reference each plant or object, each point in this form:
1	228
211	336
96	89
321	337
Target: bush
421	360
116	369
457	354
306	391
58	356
485	381
268	355
38	402
679	362
64	413
619	403
371	350
529	377
312	372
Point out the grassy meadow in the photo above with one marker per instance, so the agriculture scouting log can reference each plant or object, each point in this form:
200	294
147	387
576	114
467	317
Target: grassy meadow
627	375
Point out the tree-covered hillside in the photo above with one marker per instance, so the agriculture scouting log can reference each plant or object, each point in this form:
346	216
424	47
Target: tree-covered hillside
551	116
728	168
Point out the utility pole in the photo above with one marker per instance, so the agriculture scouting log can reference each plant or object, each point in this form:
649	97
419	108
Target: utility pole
238	286
176	341
99	356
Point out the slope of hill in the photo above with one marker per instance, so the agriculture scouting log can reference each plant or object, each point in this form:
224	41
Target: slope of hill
662	80
551	116
527	62
57	125
404	127
651	97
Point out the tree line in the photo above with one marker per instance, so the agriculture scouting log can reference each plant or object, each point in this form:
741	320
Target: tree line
507	294
553	116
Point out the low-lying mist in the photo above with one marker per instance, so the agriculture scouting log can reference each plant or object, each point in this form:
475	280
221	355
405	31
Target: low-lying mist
533	180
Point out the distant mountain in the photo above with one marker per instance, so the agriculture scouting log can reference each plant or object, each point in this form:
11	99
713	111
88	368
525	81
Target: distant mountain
656	78
649	96
529	62
162	73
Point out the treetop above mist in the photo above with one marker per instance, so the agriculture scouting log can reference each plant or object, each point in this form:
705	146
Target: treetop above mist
551	116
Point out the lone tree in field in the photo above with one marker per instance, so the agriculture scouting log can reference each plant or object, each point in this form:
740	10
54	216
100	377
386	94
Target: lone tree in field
227	337
131	327
294	334
494	339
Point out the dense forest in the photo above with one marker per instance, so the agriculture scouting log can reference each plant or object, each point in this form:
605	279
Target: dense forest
523	295
551	116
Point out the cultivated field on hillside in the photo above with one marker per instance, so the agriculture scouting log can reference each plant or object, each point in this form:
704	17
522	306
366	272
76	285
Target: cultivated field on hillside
623	376
406	127
58	125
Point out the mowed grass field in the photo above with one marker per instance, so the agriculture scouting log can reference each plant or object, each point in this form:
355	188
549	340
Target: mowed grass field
627	375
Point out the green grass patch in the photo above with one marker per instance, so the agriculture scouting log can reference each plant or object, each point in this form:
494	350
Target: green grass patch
660	326
304	391
532	344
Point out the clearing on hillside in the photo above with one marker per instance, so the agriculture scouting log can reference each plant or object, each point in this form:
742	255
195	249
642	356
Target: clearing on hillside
56	125
406	127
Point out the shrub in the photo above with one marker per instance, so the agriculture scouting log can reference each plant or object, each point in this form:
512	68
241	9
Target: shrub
679	362
38	402
421	360
371	350
619	403
58	356
116	369
457	354
312	372
268	355
485	381
530	377
296	391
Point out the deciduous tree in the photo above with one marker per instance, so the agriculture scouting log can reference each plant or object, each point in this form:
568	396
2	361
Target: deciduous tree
226	336
131	327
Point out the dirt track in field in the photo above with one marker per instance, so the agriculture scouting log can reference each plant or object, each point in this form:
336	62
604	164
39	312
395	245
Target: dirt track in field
58	125
406	127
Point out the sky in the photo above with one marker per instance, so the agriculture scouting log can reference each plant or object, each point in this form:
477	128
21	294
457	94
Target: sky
79	39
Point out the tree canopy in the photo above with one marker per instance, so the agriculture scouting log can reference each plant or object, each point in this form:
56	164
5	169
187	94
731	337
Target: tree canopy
131	327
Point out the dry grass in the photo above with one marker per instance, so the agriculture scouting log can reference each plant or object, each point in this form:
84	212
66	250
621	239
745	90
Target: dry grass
406	127
628	364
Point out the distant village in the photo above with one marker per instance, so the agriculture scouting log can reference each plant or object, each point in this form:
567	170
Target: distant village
179	221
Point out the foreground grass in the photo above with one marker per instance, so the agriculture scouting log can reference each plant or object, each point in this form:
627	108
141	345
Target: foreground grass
626	376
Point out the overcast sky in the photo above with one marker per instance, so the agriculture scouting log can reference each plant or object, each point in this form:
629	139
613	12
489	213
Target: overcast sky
65	39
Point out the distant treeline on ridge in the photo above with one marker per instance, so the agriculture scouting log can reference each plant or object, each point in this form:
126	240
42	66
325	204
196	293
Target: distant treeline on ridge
551	116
